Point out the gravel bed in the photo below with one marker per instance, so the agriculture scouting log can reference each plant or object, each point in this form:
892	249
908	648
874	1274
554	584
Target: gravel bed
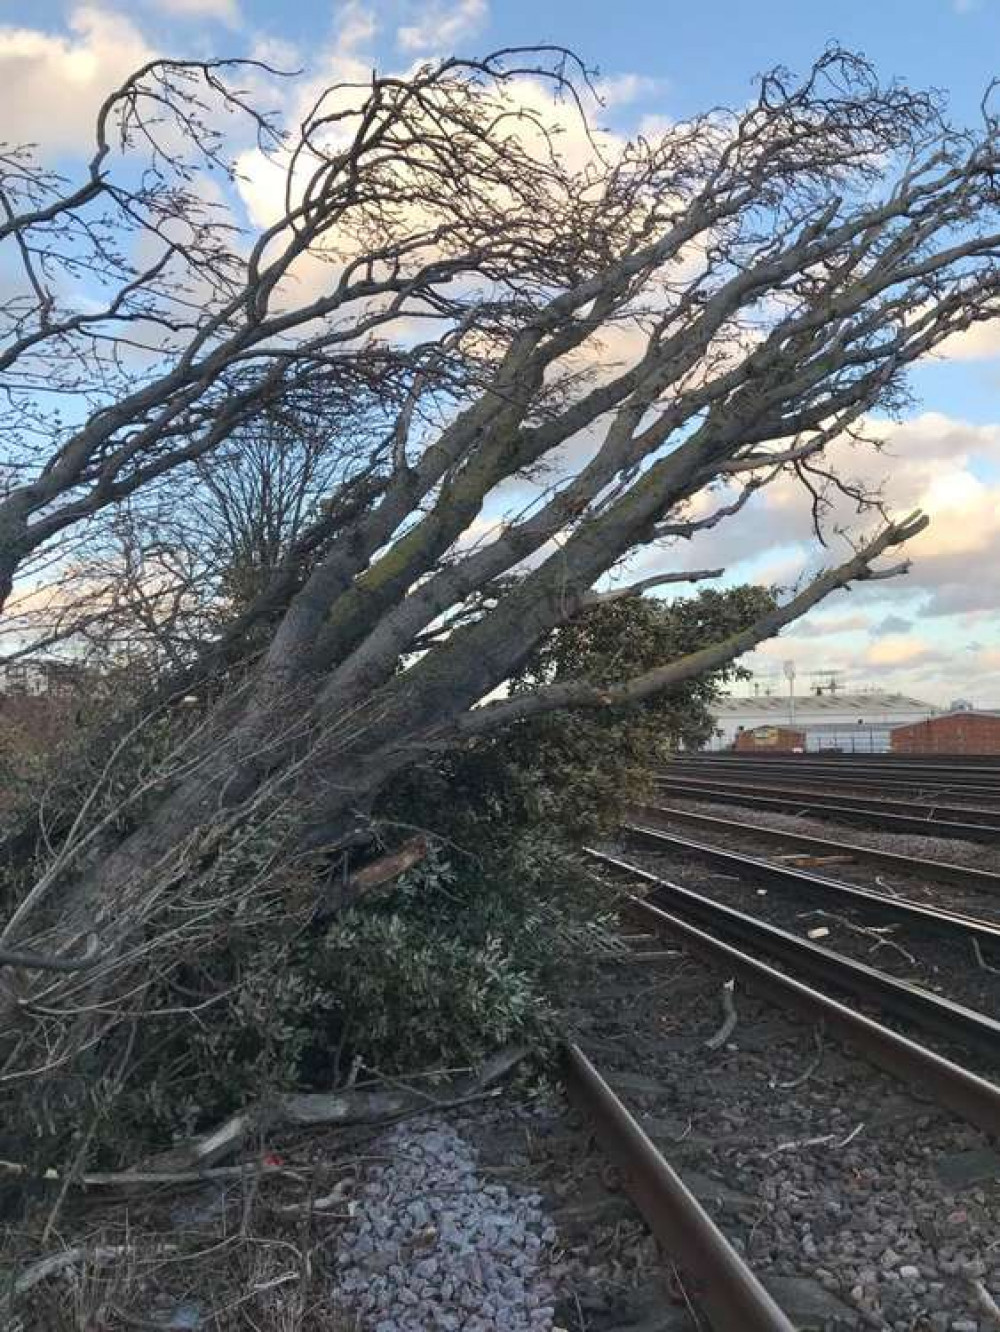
856	1203
431	1245
939	964
975	854
498	1216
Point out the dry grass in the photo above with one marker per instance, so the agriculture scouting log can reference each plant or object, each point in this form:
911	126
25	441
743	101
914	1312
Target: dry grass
256	1255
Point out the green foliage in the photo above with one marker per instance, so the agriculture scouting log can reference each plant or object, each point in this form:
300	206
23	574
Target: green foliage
619	639
403	995
472	949
571	773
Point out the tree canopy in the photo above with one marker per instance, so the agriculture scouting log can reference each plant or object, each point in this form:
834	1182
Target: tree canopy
496	366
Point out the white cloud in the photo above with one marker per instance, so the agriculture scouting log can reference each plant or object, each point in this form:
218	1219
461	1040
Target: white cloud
442	25
356	26
224	11
934	633
898	650
624	89
53	84
981	342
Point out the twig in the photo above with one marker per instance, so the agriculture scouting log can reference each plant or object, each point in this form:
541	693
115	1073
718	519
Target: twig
886	887
876	932
687	1129
810	1070
852	1135
730	1019
984	965
986	1301
390	1081
795	1143
58	1262
194	1161
679	1285
321	1204
823	1141
28	961
123	1178
352	1076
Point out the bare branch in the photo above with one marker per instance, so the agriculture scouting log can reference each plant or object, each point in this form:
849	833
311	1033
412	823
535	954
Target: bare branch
584	694
645	584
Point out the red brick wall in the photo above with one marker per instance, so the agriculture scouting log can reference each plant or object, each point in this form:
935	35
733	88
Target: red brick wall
958	733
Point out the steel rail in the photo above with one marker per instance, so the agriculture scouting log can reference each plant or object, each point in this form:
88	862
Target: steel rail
724	1285
917	914
966	876
889	822
972	1097
980	774
946	813
924	790
894	757
945	1017
959	780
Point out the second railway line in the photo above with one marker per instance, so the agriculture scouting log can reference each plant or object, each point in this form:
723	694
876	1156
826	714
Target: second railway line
795	1146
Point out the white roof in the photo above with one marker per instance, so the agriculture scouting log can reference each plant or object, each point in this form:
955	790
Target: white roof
847	727
872	700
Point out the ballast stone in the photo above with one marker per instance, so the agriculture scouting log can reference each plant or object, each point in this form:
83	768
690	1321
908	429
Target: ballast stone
431	1247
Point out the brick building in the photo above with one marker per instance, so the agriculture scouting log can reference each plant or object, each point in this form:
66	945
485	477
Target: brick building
851	720
960	732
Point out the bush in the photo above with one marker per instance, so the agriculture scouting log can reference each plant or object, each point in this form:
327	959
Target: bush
472	949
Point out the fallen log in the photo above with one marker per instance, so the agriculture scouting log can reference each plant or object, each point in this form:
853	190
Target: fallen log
354	1105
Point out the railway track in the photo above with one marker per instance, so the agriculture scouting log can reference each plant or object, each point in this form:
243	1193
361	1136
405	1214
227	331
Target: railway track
922	790
868	804
967	877
917	915
945	1018
756	1150
890	815
722	1284
980	767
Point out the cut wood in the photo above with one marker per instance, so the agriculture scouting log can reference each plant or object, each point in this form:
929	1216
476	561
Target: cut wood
387	868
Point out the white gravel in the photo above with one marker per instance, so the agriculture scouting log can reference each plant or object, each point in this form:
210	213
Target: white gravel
431	1246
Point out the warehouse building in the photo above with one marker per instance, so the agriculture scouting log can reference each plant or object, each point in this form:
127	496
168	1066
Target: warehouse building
959	731
857	721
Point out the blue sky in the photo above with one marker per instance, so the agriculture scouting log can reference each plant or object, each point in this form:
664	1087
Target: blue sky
937	634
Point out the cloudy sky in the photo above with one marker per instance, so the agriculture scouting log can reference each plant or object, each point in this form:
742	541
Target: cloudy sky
935	634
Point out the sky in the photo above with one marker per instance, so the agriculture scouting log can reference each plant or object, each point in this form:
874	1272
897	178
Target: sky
935	634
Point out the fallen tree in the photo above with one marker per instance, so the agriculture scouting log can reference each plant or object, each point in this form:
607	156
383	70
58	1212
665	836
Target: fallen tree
439	290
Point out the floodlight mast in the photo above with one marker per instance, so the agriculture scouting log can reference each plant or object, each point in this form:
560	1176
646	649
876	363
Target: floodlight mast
789	670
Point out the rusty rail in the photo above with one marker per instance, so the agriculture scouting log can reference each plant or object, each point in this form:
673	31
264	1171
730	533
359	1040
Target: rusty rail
966	876
918	915
924	783
847	810
949	1084
913	808
724	1286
